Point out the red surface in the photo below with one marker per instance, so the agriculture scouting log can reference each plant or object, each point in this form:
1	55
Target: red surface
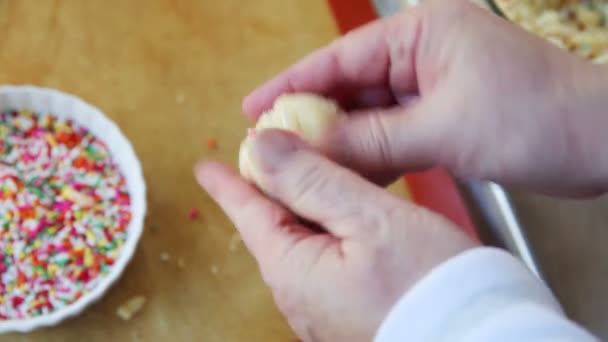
434	189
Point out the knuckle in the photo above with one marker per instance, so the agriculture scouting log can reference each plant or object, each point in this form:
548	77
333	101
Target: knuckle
378	142
310	181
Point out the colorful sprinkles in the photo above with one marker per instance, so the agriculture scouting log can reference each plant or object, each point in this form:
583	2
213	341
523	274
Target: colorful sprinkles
64	212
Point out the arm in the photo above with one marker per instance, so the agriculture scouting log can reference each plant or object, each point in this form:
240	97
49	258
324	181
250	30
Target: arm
497	299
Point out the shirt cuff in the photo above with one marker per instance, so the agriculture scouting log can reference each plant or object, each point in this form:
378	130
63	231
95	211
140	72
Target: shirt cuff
467	295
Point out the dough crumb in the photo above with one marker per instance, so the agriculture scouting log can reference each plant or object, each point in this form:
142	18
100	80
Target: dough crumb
164	256
130	308
215	270
234	243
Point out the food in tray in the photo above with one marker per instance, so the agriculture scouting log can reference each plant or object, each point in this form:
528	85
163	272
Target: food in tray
64	212
306	114
580	26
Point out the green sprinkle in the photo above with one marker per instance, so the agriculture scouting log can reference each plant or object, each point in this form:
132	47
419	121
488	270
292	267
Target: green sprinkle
39	193
62	262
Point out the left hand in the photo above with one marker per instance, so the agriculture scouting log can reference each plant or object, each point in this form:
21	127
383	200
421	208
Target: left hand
340	283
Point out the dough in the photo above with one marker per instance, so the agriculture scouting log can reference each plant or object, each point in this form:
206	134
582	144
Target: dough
305	114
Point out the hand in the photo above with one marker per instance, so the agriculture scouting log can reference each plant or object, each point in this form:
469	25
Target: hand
491	101
338	284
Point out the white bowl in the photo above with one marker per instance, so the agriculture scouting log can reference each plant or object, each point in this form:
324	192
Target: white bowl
42	100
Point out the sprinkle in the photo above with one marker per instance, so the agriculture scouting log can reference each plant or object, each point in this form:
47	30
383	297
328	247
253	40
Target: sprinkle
131	307
164	256
193	214
64	213
212	144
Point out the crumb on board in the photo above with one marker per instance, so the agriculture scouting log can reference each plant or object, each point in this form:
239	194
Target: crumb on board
154	227
180	98
164	256
131	307
234	243
193	213
181	263
215	270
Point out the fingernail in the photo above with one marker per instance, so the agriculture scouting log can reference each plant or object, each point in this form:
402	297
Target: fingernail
271	148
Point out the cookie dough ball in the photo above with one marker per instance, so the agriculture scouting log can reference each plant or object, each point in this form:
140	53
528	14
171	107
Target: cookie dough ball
307	115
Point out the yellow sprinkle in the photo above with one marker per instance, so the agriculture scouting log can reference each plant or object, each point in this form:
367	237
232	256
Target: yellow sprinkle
9	288
37	243
76	197
90	236
78	249
1	299
60	126
52	292
27	113
51	140
52	269
66	191
52	230
88	257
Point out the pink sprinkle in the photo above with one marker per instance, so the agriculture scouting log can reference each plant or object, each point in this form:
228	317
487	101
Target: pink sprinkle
250	131
193	213
63	290
62	206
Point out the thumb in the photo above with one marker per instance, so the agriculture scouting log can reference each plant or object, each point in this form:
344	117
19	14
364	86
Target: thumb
383	144
315	188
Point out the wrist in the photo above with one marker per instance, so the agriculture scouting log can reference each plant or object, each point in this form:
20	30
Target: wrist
589	107
598	112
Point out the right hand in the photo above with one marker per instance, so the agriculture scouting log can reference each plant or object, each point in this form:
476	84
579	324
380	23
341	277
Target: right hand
491	101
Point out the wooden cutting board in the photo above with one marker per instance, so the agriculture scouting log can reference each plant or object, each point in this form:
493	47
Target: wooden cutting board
172	74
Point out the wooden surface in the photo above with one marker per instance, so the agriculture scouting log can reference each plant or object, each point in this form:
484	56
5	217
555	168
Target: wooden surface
171	73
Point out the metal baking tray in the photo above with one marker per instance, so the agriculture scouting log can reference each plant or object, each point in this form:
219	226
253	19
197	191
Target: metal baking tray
489	203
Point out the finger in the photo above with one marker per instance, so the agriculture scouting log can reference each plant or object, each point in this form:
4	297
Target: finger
315	188
266	227
383	144
363	59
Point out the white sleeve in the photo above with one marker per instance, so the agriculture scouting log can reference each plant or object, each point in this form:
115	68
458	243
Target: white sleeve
484	294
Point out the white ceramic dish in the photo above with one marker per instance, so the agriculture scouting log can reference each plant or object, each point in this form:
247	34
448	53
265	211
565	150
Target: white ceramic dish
62	105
